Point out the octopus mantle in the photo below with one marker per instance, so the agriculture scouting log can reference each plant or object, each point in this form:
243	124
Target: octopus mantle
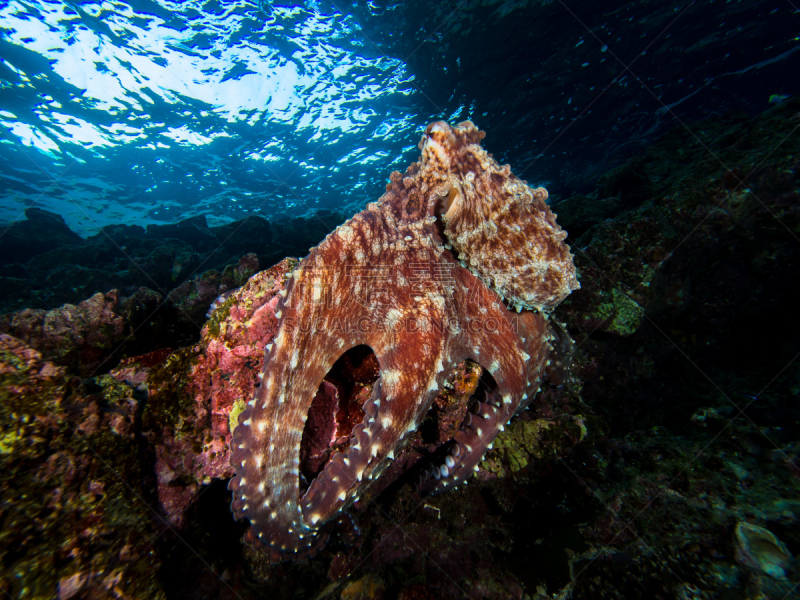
459	259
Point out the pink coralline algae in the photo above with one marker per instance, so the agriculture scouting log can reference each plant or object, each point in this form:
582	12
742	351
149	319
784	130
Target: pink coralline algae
193	390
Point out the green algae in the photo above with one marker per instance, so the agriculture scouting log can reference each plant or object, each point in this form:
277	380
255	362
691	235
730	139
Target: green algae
236	410
75	511
525	441
9	440
219	316
623	312
169	403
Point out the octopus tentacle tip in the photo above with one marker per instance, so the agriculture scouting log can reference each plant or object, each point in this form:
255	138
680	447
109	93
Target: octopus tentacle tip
455	239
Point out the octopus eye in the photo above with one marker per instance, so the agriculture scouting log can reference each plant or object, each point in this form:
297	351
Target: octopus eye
438	131
451	203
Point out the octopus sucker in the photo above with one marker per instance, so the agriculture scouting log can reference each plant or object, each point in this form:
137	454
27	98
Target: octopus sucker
458	260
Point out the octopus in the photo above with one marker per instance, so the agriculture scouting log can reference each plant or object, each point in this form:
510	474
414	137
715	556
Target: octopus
458	260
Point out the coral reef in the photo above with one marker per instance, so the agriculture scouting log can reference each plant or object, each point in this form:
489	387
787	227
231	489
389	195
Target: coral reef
663	463
87	337
75	514
92	336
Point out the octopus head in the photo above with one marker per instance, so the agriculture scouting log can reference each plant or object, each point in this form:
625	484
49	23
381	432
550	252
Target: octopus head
500	227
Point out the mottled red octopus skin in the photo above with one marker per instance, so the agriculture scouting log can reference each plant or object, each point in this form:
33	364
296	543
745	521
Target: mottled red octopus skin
387	279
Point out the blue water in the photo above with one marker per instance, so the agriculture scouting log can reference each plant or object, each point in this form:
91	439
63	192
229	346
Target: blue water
153	111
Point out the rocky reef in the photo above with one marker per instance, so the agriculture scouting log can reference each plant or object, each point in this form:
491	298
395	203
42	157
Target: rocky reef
43	264
662	463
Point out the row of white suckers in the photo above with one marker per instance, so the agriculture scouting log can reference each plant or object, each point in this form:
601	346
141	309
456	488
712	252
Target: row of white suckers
442	471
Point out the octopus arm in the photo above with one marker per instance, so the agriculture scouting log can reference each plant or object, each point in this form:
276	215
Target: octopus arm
266	444
412	368
489	337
